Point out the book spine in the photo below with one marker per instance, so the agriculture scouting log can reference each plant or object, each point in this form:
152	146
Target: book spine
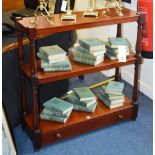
80	108
61	64
88	55
53	113
57	69
86	61
53	118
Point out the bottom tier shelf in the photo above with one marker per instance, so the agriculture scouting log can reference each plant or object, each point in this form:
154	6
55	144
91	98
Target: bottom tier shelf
78	123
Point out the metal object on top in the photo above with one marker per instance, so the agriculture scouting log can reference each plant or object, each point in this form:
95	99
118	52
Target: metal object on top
90	10
68	16
117	4
49	14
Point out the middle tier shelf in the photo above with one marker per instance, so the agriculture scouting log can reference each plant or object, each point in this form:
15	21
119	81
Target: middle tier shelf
77	69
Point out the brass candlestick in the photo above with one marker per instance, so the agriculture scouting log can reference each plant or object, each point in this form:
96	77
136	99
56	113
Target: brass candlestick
68	16
116	4
90	10
49	14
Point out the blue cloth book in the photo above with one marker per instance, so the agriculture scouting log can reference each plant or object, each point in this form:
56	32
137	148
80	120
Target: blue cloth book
114	87
58	105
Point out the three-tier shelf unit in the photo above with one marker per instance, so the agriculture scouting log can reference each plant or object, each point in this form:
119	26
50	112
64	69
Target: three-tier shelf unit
43	132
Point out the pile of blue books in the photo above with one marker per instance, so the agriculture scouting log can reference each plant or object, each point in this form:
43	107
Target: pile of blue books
83	99
57	110
54	58
112	94
89	51
112	47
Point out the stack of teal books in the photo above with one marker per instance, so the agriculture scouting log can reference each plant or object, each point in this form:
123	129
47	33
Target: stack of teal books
112	47
57	110
90	51
83	99
112	95
54	58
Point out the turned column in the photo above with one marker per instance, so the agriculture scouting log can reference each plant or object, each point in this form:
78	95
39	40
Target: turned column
118	70
22	81
137	66
35	87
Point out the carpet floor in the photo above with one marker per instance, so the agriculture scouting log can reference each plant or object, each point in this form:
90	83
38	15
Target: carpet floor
125	138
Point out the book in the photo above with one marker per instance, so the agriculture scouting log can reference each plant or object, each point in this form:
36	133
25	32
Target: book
52	69
88	55
46	111
116	41
60	64
114	87
79	106
113	101
58	105
41	56
53	118
74	99
111	57
94	52
107	103
87	61
92	43
114	51
110	96
84	93
52	52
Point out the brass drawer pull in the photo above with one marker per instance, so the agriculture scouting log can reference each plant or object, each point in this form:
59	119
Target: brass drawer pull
58	135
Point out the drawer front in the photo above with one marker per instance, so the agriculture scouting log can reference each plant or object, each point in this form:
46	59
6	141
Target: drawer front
86	126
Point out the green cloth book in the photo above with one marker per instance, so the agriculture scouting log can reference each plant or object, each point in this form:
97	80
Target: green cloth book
52	52
60	64
41	56
88	55
53	118
92	43
50	112
84	93
116	41
79	106
107	103
85	50
87	61
114	101
111	57
110	96
114	87
58	105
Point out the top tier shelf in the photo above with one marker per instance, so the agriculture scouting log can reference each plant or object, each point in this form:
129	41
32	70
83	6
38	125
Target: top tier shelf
44	28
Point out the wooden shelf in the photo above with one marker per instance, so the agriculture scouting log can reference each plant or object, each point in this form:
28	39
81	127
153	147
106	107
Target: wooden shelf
77	69
43	28
44	132
78	119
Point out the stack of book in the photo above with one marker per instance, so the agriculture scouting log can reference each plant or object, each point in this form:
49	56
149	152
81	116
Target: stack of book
53	58
112	47
83	99
90	51
57	110
112	94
